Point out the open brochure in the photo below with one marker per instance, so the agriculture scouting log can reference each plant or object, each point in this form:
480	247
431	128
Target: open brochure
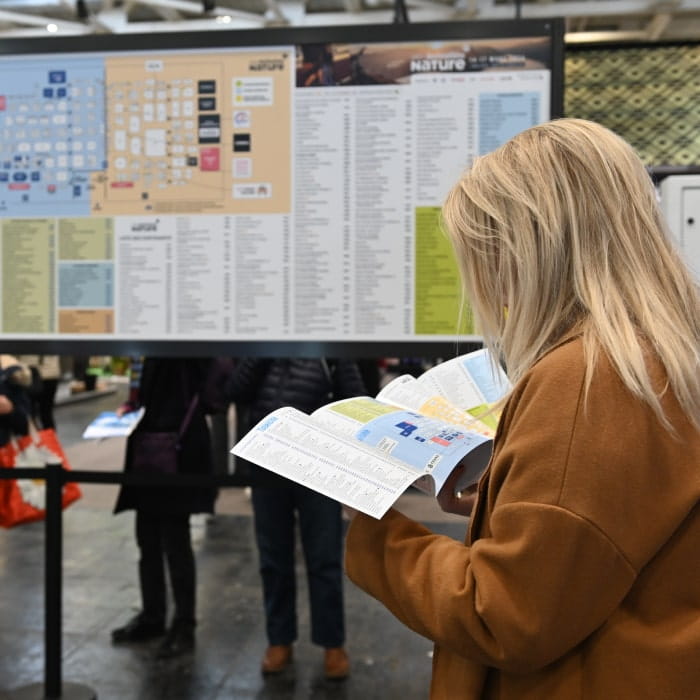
109	424
365	452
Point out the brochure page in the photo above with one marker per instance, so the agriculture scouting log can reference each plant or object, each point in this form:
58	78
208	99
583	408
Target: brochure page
455	391
109	424
470	381
390	450
430	446
406	391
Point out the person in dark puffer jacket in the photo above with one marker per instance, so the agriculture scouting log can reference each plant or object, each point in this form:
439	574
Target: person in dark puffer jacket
259	386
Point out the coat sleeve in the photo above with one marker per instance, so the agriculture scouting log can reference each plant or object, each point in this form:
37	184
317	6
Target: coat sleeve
245	379
508	601
548	569
348	380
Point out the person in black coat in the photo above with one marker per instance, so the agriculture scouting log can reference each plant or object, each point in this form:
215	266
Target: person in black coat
258	386
15	379
166	390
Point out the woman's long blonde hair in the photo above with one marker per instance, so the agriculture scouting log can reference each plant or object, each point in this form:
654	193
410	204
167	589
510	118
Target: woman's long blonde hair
559	230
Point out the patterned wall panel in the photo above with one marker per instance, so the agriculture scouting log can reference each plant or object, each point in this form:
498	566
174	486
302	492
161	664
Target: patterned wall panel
648	95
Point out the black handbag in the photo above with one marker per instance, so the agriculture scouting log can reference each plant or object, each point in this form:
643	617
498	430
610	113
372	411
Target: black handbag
158	452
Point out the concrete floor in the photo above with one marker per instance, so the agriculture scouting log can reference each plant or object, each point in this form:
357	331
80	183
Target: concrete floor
100	592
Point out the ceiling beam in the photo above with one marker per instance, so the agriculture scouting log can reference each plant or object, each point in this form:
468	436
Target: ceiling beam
657	25
587	20
38	24
188	8
487	9
115	19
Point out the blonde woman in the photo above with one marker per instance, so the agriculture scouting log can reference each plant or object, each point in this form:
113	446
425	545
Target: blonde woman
580	573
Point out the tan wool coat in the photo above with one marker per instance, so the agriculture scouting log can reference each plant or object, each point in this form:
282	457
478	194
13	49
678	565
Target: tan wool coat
580	575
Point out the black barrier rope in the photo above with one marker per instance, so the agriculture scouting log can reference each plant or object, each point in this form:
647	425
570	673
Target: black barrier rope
53	687
143	479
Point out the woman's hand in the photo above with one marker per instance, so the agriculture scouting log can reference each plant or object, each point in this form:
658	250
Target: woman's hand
455	501
124	409
6	406
349	512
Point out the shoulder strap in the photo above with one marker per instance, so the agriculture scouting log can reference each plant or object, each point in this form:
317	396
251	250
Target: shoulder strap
327	370
185	380
188	416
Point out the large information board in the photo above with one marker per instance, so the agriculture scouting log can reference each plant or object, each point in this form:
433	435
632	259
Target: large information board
253	191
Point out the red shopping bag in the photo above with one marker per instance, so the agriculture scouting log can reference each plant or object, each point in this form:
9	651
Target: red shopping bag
48	440
23	500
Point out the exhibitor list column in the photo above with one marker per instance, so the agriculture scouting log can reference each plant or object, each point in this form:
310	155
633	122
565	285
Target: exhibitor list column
227	276
321	179
199	275
259	295
28	279
382	164
145	281
349	262
445	134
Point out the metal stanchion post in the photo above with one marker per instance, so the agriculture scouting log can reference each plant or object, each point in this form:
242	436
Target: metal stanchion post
53	587
53	688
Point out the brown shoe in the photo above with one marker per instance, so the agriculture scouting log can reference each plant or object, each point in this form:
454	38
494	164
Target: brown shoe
336	664
277	658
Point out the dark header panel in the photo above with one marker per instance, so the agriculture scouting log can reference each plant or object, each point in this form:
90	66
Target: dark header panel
252	192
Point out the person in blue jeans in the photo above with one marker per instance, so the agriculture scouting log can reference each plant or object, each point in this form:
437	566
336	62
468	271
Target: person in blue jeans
259	386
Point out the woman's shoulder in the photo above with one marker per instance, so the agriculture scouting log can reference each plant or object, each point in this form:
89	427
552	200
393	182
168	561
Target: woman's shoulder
559	373
565	356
